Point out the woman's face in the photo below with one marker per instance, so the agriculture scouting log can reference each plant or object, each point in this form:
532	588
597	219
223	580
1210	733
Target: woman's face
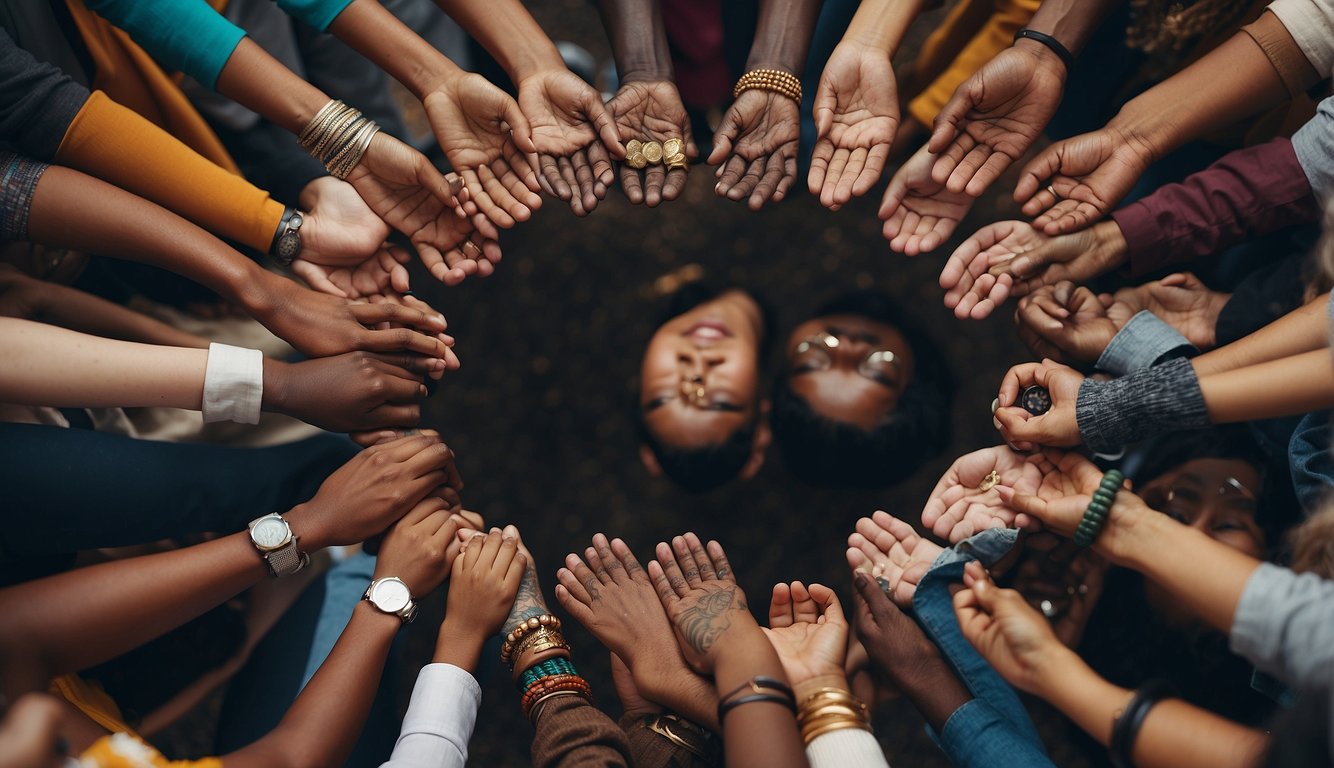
849	368
699	380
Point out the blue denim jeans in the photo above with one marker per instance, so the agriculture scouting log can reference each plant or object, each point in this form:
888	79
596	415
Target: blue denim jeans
993	728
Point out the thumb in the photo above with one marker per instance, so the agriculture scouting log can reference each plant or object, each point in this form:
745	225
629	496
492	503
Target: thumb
823	107
723	138
975	578
520	129
1023	502
870	593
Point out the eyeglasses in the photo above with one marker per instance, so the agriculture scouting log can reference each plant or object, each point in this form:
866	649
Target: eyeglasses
1185	500
815	354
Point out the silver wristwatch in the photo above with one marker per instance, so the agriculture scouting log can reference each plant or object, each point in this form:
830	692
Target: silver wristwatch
277	544
392	596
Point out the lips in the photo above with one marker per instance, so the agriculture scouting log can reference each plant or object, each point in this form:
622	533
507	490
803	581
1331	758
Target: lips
709	330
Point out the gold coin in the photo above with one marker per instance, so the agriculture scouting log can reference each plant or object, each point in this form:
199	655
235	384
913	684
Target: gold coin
990	481
672	147
633	147
678	158
653	152
636	160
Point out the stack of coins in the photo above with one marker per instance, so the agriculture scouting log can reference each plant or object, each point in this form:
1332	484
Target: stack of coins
673	155
634	154
641	154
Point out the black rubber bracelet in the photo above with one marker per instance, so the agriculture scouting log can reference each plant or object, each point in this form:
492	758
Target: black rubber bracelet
776	698
1126	727
1061	51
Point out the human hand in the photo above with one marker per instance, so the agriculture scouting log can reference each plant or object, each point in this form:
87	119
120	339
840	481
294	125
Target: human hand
755	148
707	608
573	133
810	635
994	116
890	551
485	579
896	645
1066	323
385	270
420	548
350	392
1055	428
1008	632
651	110
919	214
610	594
856	116
633	703
372	491
338	229
1180	300
1074	182
319	325
966	500
1031	259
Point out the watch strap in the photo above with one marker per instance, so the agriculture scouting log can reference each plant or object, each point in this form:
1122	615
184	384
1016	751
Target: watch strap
286	245
286	560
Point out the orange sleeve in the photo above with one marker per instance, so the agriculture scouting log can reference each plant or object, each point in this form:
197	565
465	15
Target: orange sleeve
115	144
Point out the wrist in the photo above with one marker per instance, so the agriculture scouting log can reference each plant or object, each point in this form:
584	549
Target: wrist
803	689
1111	242
1061	671
1045	56
460	646
276	376
387	622
745	645
532	61
311	537
261	292
1141	127
1132	528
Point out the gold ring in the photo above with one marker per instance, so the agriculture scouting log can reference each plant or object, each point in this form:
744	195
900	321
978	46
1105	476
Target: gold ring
455	183
990	481
1052	190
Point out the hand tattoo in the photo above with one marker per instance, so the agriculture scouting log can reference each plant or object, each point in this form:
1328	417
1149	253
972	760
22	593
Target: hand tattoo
528	602
704	622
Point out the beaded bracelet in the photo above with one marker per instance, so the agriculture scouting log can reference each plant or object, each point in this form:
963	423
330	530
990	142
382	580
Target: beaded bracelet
531	625
775	80
1095	516
553	684
558	665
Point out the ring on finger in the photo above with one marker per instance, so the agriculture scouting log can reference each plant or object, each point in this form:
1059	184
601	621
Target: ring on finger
471	250
1053	192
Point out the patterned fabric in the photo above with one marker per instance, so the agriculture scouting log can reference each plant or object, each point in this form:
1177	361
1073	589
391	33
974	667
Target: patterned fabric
18	180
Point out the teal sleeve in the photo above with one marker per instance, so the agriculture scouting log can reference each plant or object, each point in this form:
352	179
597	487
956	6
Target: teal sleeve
316	13
184	35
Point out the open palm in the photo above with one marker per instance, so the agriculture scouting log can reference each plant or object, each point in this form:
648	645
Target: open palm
856	118
919	213
567	118
651	110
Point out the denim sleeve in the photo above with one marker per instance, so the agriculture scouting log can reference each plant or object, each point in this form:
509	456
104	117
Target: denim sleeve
993	728
184	35
1142	343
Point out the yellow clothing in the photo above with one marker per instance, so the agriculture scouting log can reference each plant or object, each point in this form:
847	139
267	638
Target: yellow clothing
119	146
123	748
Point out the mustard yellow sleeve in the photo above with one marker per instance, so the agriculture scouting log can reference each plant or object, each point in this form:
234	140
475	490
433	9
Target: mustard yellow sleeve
116	145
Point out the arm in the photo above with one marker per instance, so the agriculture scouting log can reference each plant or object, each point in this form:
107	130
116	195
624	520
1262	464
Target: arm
39	101
1302	330
1248	394
45	302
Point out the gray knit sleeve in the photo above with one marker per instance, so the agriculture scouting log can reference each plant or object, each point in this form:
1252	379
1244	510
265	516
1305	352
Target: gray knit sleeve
37	101
1164	398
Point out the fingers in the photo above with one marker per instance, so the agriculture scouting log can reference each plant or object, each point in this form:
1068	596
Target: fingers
588	587
820	157
553	181
804	609
406	364
686	561
572	596
831	610
701	558
628	560
423	510
610	565
588	182
658	578
632	184
397	314
654	178
870	595
672	569
485	204
780	607
721	566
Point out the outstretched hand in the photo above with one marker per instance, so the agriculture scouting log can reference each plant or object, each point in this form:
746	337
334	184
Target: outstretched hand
573	133
755	148
856	118
1075	182
701	597
651	110
890	552
808	631
919	213
1006	630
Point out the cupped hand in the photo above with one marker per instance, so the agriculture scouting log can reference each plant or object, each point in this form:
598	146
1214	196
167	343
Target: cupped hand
354	391
338	229
967	501
1068	483
755	148
1181	300
1066	323
970	289
919	213
1032	259
372	491
489	143
1074	182
856	118
568	120
385	270
651	110
702	599
993	118
483	584
417	548
890	551
1008	632
1057	427
808	631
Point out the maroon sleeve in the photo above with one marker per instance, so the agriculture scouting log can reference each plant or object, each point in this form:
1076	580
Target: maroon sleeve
1246	194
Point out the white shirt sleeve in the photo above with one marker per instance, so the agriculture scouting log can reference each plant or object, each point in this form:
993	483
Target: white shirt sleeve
846	748
233	384
1311	24
439	721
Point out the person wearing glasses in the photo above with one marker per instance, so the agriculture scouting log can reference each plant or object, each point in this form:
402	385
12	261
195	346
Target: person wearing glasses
701	416
863	398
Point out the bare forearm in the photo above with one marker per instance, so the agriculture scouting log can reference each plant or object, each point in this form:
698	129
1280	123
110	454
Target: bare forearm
1302	330
324	722
783	35
763	733
55	367
882	23
1247	394
87	313
256	80
1072	22
509	33
638	39
379	36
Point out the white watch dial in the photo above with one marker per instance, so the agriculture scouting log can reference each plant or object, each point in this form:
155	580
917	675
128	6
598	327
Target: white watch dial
391	595
270	533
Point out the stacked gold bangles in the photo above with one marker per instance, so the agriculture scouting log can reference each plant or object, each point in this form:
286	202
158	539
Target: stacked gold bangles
338	136
641	154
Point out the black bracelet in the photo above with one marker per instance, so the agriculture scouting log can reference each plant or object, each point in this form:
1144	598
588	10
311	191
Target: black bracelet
1127	724
1061	51
286	244
761	688
776	698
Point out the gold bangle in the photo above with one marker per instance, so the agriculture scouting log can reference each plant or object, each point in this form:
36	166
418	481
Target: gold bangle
532	638
840	725
775	80
531	624
536	709
686	735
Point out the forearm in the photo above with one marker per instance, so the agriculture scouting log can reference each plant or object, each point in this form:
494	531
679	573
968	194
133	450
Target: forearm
75	211
638	39
1197	100
83	312
60	368
379	36
882	23
935	691
509	33
256	80
460	646
1174	734
1072	22
324	722
1303	330
761	733
1248	394
783	34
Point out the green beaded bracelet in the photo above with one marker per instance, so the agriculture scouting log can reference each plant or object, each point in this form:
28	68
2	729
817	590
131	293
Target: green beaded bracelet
1095	516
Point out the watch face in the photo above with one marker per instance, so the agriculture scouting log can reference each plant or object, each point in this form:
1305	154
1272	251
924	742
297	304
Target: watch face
270	533
390	595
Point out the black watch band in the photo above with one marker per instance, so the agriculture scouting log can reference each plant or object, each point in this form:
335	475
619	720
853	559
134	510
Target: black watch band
1061	51
286	244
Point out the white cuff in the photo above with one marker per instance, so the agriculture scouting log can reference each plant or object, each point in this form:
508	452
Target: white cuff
847	746
233	384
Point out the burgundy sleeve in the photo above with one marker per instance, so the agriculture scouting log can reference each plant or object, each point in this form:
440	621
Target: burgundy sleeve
1245	194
